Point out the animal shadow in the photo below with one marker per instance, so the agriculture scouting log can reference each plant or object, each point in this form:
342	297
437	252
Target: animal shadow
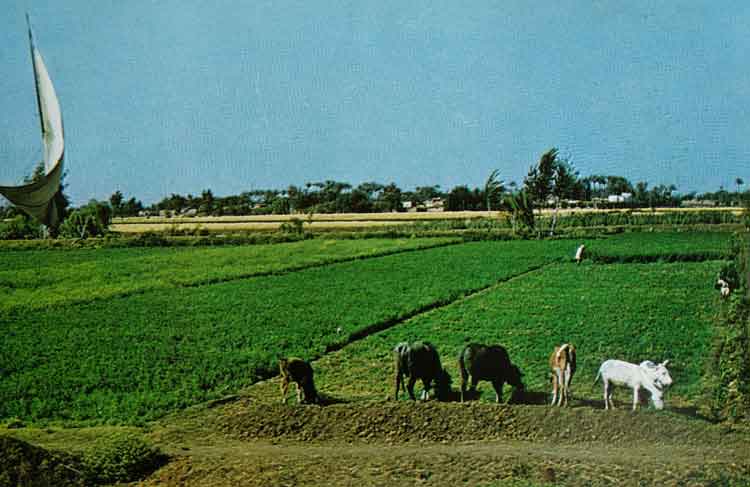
328	400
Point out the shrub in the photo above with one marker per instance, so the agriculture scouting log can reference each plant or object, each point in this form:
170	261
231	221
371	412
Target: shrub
294	226
121	457
728	376
18	228
91	220
24	464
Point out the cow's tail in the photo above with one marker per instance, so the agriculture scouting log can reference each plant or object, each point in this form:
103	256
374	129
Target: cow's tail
562	350
598	374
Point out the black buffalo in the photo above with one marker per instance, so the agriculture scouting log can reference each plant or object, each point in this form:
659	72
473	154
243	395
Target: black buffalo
420	360
491	363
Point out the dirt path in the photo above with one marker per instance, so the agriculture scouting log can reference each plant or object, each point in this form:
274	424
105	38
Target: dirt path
381	443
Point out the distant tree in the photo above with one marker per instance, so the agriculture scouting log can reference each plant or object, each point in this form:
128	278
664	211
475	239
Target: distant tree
174	202
461	198
493	189
390	199
739	182
115	202
207	202
565	185
640	194
618	185
539	181
131	207
522	207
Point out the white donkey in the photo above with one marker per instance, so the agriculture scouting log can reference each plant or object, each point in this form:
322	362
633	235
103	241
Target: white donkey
652	377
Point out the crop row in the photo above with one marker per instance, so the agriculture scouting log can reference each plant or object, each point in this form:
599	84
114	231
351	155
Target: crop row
632	312
37	279
660	246
135	358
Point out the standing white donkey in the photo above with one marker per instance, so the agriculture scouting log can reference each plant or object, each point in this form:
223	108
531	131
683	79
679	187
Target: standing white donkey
652	377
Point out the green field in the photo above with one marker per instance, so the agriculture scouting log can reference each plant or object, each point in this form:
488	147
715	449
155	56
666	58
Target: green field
138	357
660	246
128	335
667	315
41	278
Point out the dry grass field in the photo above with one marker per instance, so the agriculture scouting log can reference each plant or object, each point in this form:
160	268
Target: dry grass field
345	221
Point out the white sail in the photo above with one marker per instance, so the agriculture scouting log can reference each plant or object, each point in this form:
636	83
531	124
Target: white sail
37	198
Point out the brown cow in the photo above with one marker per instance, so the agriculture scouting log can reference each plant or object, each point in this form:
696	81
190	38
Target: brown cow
301	373
563	365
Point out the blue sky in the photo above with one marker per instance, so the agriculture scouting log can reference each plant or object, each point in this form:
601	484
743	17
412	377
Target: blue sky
177	96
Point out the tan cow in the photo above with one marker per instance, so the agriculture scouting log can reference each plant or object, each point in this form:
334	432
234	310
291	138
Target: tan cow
563	365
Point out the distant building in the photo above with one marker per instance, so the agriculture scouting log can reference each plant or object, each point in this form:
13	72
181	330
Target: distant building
435	204
620	198
695	203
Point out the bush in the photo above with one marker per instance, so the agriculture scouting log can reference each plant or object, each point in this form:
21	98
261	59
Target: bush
24	464
121	457
728	377
18	228
91	220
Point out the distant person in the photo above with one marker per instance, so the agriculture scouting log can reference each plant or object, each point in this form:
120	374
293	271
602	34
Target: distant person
579	253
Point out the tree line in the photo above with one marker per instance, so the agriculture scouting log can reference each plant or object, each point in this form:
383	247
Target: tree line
552	182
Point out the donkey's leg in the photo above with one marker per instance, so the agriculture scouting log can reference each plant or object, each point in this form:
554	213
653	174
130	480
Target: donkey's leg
636	397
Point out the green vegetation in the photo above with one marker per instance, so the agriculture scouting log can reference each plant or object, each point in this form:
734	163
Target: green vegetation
120	457
728	378
135	358
115	456
660	246
38	279
631	312
128	335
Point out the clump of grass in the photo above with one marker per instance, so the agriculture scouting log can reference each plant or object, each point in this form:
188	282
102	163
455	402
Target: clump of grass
120	457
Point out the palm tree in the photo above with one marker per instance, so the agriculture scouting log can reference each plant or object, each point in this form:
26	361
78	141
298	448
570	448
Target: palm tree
492	188
739	182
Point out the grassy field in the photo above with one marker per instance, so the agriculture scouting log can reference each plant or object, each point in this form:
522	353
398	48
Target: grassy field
38	279
667	315
660	246
134	356
350	221
137	357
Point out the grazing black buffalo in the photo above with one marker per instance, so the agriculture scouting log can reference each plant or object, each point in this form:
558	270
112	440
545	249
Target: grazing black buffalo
488	362
420	360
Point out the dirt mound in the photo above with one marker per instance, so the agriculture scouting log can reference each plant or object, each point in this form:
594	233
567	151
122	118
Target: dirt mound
24	464
397	422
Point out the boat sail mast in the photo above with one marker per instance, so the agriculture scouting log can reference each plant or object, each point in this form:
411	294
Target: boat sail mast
38	197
